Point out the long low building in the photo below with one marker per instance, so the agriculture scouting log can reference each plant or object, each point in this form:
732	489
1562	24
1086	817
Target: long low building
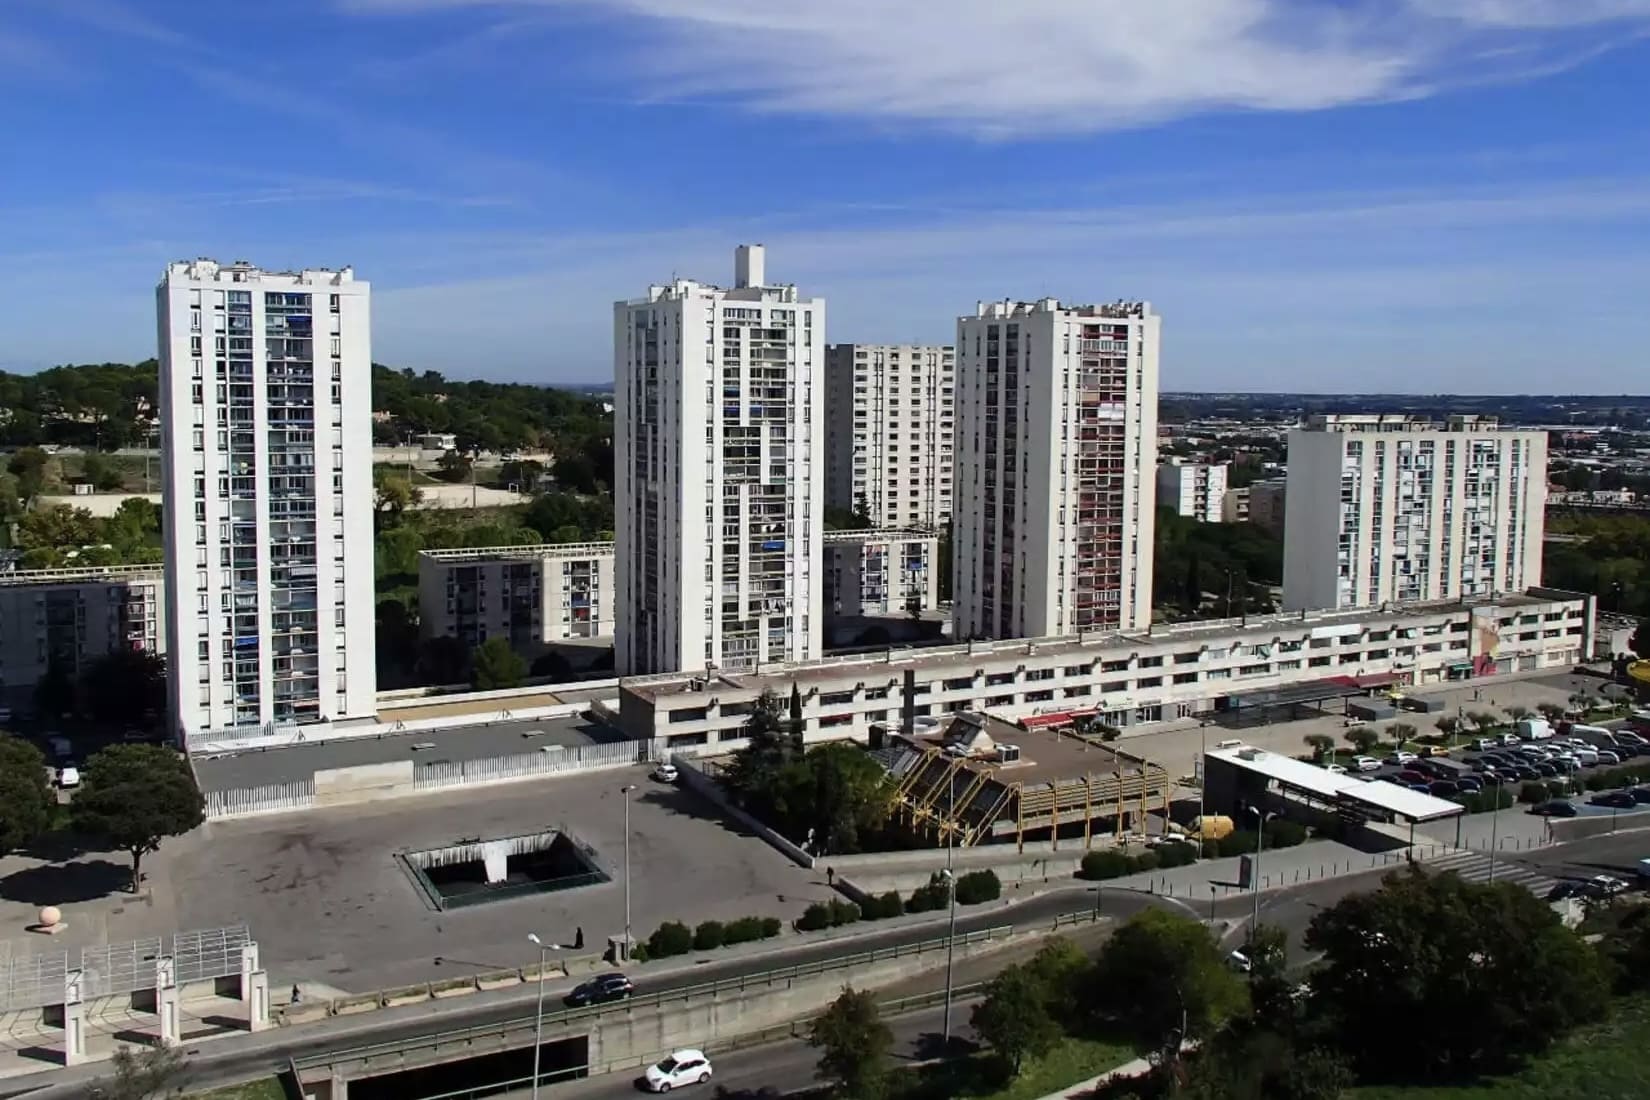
1133	678
528	595
71	617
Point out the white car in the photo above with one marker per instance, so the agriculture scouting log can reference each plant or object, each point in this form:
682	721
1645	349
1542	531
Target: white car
68	776
1402	758
1238	961
1334	769
685	1067
1366	764
666	772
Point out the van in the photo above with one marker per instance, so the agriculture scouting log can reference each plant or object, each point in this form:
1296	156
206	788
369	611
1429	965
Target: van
1533	729
1597	736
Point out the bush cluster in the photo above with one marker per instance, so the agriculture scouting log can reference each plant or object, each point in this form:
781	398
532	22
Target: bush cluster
1611	778
1532	793
675	938
926	898
827	914
882	906
1114	863
978	886
1489	798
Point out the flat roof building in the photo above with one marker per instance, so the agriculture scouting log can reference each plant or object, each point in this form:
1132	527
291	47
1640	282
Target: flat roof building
71	617
529	595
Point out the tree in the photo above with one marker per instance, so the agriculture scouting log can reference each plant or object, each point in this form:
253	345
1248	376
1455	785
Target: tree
854	1044
1552	712
1255	1062
1321	745
454	466
25	796
1483	719
29	465
1401	732
134	796
1013	1018
1468	978
124	685
1516	713
835	791
1163	980
146	1074
100	472
1363	739
443	660
494	665
767	749
393	493
1450	726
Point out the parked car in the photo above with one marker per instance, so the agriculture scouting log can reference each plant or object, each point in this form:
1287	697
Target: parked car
1548	771
1640	794
68	776
685	1067
1334	769
1567	889
1485	744
602	989
1524	772
1616	800
1401	758
1507	739
1434	750
1470	784
1420	788
1410	775
1238	961
1604	886
1554	807
1608	756
1443	788
1366	764
666	773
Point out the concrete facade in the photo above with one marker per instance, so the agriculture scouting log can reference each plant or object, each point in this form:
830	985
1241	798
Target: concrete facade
719	447
1234	506
71	617
266	415
1268	505
1400	508
890	413
529	595
1056	468
881	572
1128	679
1196	490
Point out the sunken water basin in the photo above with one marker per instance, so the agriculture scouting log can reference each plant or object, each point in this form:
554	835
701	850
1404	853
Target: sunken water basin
477	871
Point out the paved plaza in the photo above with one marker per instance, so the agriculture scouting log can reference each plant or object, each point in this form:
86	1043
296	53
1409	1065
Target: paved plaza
328	903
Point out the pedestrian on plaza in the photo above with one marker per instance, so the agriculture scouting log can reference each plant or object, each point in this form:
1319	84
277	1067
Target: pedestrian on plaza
830	876
295	993
578	939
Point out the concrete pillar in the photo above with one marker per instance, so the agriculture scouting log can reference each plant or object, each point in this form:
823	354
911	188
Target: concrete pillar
74	1020
249	966
166	1001
257	1001
340	1087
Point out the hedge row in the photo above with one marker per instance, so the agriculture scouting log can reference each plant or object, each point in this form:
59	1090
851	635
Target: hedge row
1112	863
1488	799
675	938
827	914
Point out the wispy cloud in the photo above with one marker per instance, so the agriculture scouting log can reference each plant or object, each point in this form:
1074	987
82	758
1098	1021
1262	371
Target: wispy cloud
1050	66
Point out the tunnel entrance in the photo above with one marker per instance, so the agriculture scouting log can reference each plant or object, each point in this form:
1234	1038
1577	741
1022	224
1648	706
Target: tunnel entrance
477	871
484	1075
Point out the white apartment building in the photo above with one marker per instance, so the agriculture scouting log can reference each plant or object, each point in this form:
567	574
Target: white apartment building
881	572
1056	468
1196	490
1400	508
70	618
890	413
1133	678
528	595
1235	506
720	488
266	407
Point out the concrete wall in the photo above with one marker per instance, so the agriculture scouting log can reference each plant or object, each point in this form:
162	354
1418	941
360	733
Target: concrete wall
364	783
700	783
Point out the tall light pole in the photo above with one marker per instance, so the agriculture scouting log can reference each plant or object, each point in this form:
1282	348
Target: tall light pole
951	889
538	1015
1260	847
1495	821
625	791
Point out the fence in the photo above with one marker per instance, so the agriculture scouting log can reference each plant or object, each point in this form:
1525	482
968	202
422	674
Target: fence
269	799
35	981
506	769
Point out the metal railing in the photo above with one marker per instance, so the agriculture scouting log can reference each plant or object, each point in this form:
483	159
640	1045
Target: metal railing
469	1035
36	981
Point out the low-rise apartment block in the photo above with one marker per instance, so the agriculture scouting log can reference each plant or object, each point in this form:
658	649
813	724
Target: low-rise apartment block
71	617
1131	678
1234	506
881	572
1268	504
529	595
1196	490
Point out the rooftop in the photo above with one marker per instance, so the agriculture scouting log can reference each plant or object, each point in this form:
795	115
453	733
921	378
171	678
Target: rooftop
87	575
521	553
206	269
889	664
872	534
1118	310
1329	786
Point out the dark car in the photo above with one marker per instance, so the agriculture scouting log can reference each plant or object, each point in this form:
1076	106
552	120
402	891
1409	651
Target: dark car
1524	772
1554	807
1419	788
1470	784
1640	794
1443	788
1620	800
600	990
1567	889
1548	771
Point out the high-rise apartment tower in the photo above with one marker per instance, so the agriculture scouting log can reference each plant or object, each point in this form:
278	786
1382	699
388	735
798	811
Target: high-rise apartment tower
266	404
1400	508
719	422
890	414
1056	468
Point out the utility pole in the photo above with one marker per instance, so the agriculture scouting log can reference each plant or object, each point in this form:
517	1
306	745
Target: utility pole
625	791
951	888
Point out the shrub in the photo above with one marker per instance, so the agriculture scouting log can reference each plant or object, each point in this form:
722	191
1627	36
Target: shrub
743	930
814	917
842	912
1281	833
670	938
977	887
1532	793
932	896
708	936
771	927
882	906
1144	861
1211	848
1176	854
1104	864
1239	843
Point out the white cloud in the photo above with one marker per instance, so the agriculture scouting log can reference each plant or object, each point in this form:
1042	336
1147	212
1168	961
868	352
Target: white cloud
1045	66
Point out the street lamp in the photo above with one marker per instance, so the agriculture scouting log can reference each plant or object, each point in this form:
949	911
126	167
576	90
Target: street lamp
538	1015
1260	847
625	790
1495	822
951	890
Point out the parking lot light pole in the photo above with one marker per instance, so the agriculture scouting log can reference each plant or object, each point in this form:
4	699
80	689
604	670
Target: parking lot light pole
538	1015
1260	848
1495	822
625	791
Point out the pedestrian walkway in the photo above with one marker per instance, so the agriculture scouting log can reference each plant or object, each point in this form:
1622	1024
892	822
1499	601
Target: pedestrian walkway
1477	867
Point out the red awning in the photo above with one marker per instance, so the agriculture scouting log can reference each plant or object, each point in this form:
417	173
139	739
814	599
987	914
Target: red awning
1062	718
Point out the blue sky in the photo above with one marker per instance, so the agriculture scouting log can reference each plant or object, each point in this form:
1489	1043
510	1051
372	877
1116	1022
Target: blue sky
1329	195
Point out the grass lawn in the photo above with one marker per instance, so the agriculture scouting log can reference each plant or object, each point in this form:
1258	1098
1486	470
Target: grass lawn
1072	1061
1607	1062
267	1088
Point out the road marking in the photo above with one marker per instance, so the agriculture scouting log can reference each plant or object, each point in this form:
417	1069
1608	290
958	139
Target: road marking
1475	867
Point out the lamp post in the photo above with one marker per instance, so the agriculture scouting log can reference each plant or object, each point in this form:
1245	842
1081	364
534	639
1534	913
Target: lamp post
625	791
951	891
1495	821
538	1015
1260	848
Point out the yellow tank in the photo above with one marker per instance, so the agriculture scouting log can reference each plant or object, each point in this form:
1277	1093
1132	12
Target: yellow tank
1212	827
